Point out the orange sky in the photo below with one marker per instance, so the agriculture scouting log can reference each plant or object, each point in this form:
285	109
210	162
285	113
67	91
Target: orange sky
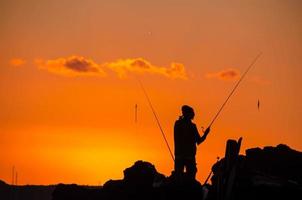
68	88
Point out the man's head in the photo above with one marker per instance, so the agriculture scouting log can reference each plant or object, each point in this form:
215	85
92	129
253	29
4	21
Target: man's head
187	112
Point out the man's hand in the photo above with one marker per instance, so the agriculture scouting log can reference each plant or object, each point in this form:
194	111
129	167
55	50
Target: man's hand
207	131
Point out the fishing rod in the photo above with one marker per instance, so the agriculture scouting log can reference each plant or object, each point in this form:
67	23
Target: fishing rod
232	92
225	102
206	181
155	115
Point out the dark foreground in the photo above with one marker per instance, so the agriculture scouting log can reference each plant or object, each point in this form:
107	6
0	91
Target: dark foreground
270	173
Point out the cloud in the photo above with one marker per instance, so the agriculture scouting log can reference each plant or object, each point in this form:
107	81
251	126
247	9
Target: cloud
141	66
71	66
227	75
80	66
17	62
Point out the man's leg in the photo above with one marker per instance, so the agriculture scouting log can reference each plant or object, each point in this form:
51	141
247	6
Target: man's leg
179	167
191	168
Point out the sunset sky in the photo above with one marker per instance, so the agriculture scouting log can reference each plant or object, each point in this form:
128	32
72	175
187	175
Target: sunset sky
68	82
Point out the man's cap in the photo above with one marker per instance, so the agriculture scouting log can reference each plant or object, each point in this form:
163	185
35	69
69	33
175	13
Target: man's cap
185	109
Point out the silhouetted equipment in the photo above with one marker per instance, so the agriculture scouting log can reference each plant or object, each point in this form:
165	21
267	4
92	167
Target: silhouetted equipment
227	174
206	181
13	175
16	179
237	84
135	117
156	118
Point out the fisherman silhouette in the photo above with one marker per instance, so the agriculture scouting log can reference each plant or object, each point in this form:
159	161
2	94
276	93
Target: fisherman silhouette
186	136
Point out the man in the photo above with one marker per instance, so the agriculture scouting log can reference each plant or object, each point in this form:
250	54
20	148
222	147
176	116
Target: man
186	136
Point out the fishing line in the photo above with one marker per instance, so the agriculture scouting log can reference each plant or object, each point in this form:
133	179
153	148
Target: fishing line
232	92
156	118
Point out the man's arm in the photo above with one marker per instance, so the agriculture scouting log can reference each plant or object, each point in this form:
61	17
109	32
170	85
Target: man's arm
205	134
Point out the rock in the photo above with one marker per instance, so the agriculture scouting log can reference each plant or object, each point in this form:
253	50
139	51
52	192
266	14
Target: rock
76	192
268	173
141	181
281	161
141	174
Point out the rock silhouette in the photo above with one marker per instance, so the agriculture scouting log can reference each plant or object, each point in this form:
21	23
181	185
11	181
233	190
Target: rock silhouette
26	192
141	181
269	173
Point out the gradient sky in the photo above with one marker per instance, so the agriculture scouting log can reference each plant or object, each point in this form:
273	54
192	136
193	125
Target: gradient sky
68	87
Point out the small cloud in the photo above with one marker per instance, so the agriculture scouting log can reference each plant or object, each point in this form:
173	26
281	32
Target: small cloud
140	66
71	66
80	66
17	62
227	75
